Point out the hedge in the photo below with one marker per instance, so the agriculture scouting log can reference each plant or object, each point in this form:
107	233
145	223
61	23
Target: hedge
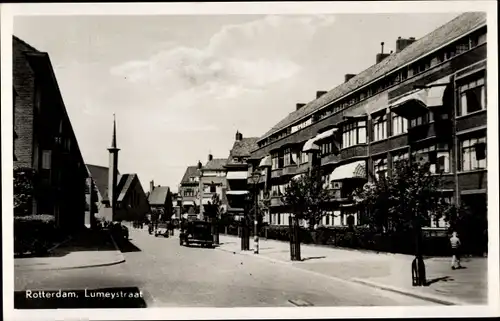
35	234
364	239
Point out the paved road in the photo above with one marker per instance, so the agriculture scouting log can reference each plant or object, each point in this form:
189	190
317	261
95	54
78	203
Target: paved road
173	276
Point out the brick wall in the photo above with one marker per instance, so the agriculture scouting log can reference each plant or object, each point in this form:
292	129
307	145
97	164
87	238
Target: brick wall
24	84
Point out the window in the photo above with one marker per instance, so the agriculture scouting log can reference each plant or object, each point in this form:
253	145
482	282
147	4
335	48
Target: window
326	181
46	159
462	47
274	164
399	157
188	192
469	154
422	156
275	190
472	96
304	157
380	127
326	148
353	134
213	188
443	161
399	125
290	157
420	120
380	168
440	222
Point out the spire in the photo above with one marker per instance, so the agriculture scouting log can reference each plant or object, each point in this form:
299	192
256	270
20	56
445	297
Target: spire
113	141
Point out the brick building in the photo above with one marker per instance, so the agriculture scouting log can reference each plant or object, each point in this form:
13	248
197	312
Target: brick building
160	201
44	139
238	175
189	190
427	99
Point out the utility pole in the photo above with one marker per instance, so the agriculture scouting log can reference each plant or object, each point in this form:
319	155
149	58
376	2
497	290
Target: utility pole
200	190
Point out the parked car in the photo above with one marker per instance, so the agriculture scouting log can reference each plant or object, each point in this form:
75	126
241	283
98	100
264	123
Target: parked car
196	232
119	231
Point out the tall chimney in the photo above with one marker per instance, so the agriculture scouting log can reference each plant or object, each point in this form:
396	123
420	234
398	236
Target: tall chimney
402	43
348	77
210	157
381	56
199	165
299	106
151	186
320	93
238	136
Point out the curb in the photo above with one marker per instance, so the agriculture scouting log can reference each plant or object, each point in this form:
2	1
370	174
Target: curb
115	262
426	297
59	244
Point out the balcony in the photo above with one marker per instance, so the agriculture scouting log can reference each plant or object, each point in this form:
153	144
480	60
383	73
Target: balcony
276	201
473	180
275	173
471	121
329	159
354	151
290	170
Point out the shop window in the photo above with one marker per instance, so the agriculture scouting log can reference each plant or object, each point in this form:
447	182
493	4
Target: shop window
473	153
472	95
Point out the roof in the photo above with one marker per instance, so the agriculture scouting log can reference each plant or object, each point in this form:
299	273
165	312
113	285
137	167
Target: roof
124	184
215	164
244	147
100	176
25	44
462	24
159	195
191	171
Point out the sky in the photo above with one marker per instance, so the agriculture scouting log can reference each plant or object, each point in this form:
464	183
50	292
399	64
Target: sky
181	86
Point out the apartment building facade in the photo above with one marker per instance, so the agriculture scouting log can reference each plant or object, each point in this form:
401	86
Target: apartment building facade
44	139
239	174
213	181
427	99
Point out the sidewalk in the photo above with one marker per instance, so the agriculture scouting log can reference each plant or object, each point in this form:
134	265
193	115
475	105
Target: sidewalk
386	271
87	249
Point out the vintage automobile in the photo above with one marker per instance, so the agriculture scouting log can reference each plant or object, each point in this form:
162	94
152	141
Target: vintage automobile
119	231
161	230
196	232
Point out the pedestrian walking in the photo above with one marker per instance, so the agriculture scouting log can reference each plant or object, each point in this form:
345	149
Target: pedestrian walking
455	251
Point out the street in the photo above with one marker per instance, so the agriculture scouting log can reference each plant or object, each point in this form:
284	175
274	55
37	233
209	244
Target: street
169	275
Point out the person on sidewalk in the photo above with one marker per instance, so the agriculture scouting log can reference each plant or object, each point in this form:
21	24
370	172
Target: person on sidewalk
455	251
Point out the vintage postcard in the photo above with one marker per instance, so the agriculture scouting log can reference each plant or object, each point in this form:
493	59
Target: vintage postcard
250	160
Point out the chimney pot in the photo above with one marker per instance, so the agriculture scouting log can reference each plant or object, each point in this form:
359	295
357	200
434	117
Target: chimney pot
320	93
348	77
299	106
382	50
402	43
210	157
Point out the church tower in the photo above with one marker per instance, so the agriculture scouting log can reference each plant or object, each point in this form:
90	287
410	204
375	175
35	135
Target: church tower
113	170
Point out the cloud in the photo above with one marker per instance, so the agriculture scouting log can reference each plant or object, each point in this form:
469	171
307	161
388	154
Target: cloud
239	59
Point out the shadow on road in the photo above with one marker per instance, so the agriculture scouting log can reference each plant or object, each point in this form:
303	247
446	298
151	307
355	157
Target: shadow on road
313	258
105	298
126	246
443	279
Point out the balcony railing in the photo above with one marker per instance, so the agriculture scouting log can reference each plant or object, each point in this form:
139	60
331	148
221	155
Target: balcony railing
275	173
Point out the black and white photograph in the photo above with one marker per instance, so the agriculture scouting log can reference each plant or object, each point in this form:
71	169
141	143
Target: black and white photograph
250	160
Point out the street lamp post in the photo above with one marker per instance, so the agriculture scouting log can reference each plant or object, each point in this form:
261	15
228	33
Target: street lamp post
255	181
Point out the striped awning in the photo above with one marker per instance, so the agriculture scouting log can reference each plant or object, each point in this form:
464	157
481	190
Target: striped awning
237	175
351	170
265	162
188	203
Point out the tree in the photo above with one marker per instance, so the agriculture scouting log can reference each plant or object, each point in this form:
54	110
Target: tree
214	212
24	178
405	202
305	197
